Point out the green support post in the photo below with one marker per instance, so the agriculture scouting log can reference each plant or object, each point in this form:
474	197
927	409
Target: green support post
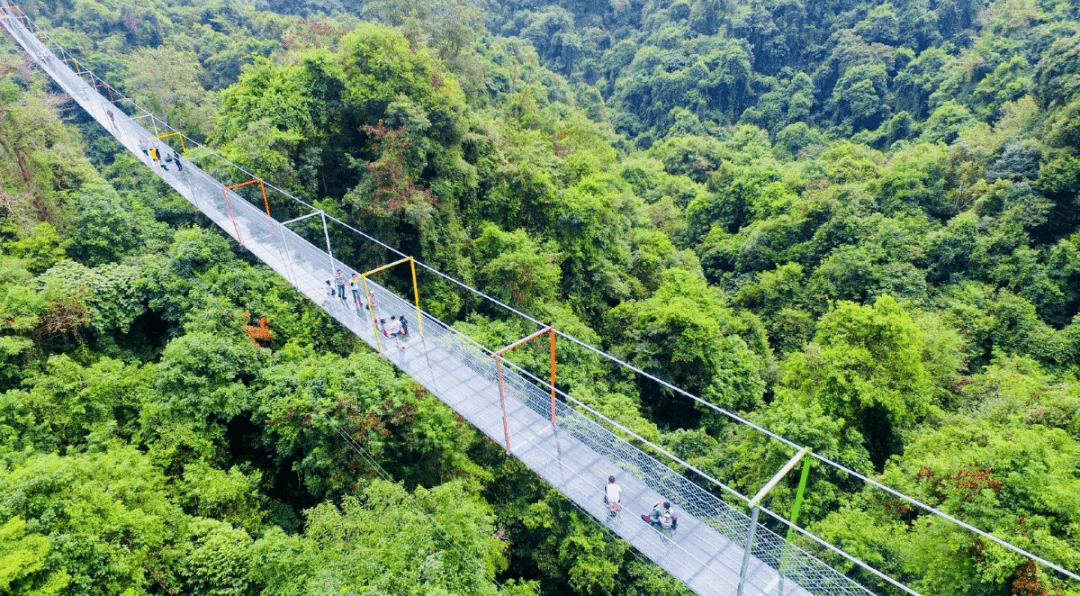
794	518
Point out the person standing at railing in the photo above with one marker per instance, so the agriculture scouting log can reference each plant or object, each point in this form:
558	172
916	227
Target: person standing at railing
356	286
340	279
155	155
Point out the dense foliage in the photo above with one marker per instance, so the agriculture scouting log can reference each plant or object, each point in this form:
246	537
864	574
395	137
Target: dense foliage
855	224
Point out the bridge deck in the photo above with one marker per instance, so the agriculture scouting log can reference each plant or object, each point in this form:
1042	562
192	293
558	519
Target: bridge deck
575	456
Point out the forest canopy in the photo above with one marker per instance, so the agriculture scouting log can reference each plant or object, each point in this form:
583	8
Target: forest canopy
854	224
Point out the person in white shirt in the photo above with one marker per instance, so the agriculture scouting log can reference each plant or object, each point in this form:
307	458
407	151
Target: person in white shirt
612	493
393	329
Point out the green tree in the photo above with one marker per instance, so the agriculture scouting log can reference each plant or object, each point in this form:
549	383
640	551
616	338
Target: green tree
860	98
38	251
218	561
439	540
106	515
687	336
865	368
168	82
516	268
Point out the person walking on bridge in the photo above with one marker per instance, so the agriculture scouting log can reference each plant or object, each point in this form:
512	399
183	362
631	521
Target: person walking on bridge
612	494
393	329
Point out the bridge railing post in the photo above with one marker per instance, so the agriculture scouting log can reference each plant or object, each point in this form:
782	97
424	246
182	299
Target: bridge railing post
755	504
551	332
228	206
502	399
326	233
749	546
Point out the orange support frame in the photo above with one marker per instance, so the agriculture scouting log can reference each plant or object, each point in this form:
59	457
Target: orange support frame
262	185
502	388
266	202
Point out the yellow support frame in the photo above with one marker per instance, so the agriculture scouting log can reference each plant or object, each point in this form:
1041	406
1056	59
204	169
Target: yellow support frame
416	296
183	145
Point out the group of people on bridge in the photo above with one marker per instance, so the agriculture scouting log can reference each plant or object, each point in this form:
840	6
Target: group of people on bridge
661	518
158	155
397	327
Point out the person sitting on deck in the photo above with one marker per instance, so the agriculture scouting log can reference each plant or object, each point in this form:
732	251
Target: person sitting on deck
662	518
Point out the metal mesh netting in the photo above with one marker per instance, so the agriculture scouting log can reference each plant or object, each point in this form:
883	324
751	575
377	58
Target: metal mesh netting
575	455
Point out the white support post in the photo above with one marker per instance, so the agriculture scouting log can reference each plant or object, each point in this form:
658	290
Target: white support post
287	260
326	233
749	546
755	508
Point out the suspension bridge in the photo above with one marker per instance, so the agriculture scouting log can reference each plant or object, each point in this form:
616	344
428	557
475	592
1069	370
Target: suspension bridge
717	550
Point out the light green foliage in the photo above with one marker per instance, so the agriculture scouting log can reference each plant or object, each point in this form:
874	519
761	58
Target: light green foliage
571	550
369	54
282	564
1057	75
106	228
67	405
113	294
200	376
304	400
39	158
392	541
754	459
20	303
448	27
914	180
737	193
217	564
1014	484
947	122
41	249
865	368
230	496
23	557
105	514
691	156
860	97
167	81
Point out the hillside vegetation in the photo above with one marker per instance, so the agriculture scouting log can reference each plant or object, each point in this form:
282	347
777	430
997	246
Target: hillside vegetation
854	224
